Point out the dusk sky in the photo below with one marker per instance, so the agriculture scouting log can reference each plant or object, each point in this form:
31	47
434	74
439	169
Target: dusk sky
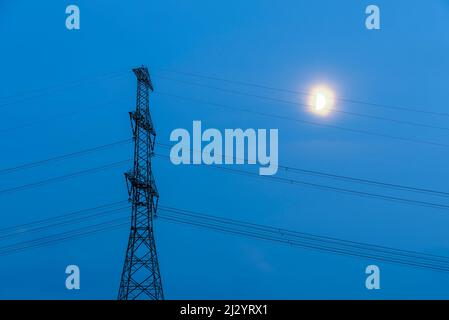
399	136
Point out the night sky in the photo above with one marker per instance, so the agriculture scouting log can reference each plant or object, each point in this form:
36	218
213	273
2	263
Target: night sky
292	45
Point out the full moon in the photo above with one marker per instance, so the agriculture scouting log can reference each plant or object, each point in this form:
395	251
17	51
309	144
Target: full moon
321	100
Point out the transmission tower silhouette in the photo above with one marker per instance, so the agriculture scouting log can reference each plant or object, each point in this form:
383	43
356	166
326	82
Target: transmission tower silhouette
140	276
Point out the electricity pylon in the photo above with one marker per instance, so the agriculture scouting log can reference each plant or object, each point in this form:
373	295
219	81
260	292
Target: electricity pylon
141	277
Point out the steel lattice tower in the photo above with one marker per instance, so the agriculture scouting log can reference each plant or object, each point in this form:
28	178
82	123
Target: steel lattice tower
141	277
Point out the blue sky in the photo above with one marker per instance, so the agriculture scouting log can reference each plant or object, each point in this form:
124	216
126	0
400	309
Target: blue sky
286	44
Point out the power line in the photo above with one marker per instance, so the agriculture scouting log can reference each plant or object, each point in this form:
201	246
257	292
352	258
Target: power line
260	86
246	229
286	168
327	187
64	236
62	178
60	217
56	116
337	177
368	182
302	121
350	113
345	112
251	174
321	248
45	91
65	222
65	156
74	218
323	242
306	122
83	215
302	235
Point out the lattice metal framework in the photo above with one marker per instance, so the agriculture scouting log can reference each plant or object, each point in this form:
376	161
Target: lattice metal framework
141	277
